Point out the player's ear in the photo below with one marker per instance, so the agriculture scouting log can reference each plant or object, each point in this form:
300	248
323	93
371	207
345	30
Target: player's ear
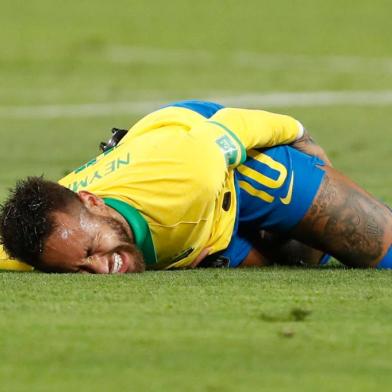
92	202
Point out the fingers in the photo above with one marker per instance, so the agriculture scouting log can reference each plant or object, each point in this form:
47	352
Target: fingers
203	254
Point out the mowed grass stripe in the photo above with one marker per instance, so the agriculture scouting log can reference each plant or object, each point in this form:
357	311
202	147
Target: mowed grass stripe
245	59
251	100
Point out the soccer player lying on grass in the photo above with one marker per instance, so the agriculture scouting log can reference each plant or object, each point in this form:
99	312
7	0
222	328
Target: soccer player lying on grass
198	184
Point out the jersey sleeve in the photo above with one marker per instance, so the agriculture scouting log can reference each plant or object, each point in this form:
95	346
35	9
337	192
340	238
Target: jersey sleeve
8	264
241	130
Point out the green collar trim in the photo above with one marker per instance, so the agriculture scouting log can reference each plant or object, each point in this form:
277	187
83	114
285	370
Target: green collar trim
139	226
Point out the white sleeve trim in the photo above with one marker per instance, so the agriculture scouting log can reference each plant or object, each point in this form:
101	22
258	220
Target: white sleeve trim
301	130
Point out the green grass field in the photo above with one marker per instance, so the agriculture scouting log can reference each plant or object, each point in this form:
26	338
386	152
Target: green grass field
69	71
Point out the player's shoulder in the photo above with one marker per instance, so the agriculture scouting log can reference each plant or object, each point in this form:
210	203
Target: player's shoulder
165	117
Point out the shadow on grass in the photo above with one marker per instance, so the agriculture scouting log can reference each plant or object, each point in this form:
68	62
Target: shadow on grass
295	314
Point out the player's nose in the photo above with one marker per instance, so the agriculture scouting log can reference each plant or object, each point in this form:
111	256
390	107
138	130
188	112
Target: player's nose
98	265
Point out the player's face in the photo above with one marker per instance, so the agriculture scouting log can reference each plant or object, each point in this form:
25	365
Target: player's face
91	242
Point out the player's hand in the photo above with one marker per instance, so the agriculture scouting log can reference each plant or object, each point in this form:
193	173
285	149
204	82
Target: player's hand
202	255
307	145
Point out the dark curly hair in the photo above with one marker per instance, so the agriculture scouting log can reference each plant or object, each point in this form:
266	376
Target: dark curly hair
26	217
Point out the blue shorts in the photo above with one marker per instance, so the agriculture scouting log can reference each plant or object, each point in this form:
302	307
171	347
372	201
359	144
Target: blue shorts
275	188
206	109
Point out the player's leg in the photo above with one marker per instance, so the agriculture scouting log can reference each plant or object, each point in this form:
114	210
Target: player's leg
275	248
286	191
347	222
266	248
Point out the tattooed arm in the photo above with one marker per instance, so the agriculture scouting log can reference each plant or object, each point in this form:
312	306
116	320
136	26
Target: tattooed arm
307	145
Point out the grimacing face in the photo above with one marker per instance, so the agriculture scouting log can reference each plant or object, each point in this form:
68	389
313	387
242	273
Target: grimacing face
95	239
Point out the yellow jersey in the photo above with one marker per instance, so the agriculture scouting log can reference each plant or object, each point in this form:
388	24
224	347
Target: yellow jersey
172	177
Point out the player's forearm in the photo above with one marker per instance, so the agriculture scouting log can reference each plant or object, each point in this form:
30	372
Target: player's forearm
258	128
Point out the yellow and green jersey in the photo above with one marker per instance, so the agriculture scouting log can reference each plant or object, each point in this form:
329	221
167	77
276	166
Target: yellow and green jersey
172	177
12	265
